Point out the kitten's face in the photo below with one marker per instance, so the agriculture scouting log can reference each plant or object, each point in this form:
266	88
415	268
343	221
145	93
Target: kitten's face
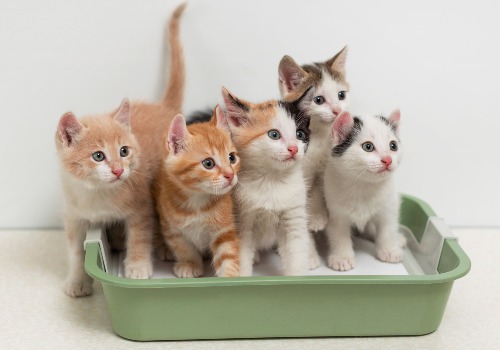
330	93
270	135
99	151
202	156
367	148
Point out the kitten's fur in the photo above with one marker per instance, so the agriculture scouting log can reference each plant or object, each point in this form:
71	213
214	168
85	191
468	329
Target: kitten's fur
327	80
195	202
360	190
271	195
115	185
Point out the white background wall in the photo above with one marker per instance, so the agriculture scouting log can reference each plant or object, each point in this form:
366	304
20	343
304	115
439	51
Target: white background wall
436	60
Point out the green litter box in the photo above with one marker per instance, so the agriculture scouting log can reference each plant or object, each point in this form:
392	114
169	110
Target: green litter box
409	300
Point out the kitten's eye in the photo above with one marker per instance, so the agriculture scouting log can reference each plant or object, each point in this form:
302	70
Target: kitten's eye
124	151
232	158
274	134
98	156
301	135
319	100
208	163
368	147
342	95
394	146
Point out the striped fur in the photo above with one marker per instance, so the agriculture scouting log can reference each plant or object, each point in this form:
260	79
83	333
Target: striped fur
194	203
118	187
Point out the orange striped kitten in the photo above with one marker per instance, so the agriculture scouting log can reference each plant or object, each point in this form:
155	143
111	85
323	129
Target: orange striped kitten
108	163
193	196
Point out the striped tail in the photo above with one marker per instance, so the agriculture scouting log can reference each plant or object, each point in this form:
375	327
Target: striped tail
175	89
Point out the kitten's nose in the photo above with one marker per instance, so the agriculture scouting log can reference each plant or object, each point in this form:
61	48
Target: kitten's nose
229	176
387	160
117	172
293	150
336	110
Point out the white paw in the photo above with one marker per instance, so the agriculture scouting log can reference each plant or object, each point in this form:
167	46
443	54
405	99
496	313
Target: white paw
317	221
390	254
401	240
138	270
187	270
78	287
341	262
314	261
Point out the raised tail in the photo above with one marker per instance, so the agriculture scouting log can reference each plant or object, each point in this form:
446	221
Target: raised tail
175	89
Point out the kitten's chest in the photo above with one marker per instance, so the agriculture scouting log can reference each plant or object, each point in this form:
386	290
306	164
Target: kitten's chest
196	229
272	193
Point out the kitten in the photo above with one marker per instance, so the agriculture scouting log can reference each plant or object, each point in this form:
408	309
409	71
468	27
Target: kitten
107	165
359	187
328	99
271	138
194	199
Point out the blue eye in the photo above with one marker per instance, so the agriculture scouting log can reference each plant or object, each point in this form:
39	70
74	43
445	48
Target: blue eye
368	147
342	95
208	163
124	151
274	134
301	135
394	146
319	100
98	156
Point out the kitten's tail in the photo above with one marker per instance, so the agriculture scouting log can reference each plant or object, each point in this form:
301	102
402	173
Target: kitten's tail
175	89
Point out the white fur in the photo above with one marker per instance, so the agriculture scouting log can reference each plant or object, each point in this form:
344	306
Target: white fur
358	195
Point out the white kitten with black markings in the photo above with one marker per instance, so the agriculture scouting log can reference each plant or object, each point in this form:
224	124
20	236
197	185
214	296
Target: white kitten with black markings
329	97
359	187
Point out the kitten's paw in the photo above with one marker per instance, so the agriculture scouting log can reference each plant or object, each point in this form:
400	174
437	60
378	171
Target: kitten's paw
401	240
78	288
139	270
390	254
317	221
314	261
187	270
341	262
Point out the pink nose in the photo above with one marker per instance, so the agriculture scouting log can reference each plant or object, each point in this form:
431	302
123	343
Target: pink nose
293	150
117	172
336	110
229	176
387	160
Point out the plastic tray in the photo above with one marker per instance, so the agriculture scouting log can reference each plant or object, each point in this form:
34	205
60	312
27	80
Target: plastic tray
408	299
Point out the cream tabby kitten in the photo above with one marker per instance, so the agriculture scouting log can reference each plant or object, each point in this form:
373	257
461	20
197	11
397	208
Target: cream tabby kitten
108	163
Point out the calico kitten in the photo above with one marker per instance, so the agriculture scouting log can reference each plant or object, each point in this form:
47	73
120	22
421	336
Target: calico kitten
328	99
271	138
359	187
107	165
194	199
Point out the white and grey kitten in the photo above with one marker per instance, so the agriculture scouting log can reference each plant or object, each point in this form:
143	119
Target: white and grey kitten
271	138
359	187
329	97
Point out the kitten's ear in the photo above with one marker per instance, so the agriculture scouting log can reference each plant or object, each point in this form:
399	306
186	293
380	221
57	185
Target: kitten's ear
177	134
290	75
69	127
236	109
123	114
395	119
342	127
219	120
337	62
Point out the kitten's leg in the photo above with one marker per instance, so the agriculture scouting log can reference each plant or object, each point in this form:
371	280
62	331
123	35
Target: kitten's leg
78	283
294	241
247	243
138	262
225	250
314	258
318	214
341	255
388	241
